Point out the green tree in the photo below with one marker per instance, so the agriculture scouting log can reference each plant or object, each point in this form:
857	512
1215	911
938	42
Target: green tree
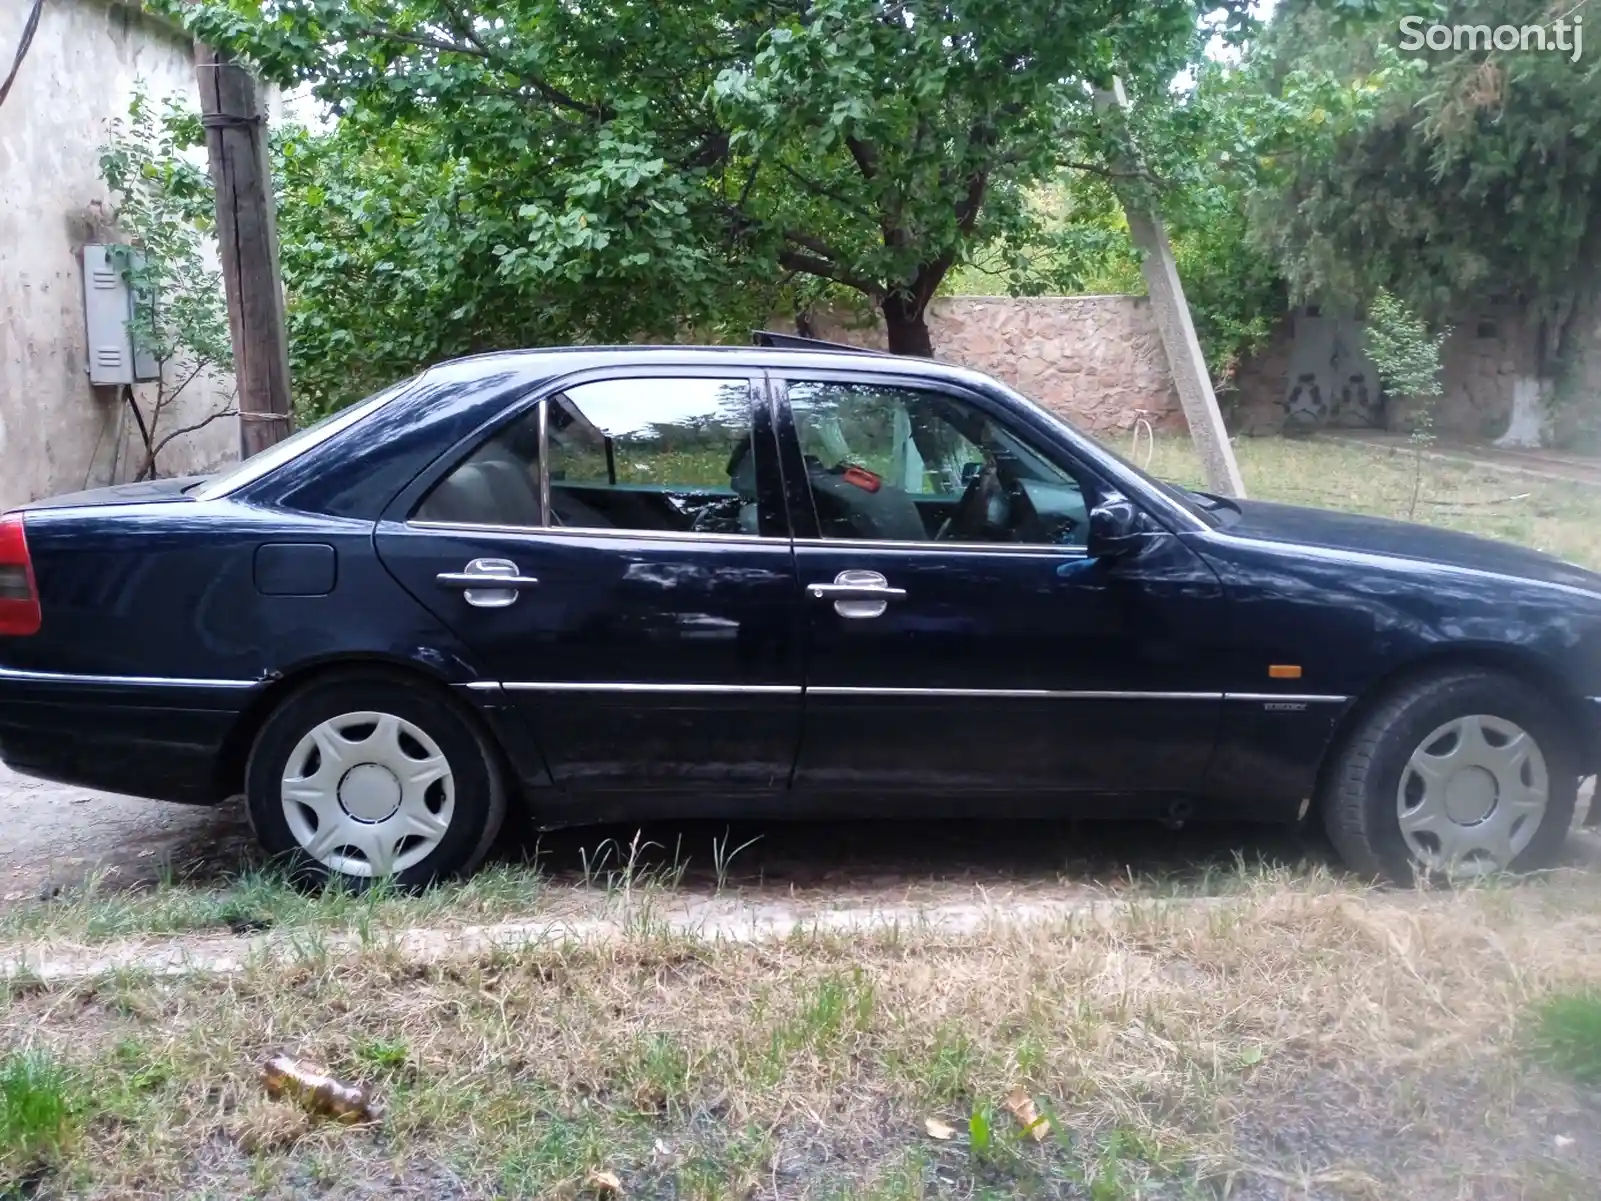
633	164
164	210
1406	354
1448	177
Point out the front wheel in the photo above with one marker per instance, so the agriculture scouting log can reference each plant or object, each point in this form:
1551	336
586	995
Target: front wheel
1462	773
365	777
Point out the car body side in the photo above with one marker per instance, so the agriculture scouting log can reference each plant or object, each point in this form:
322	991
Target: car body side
174	624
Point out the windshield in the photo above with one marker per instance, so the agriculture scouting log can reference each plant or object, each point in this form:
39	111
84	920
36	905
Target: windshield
276	455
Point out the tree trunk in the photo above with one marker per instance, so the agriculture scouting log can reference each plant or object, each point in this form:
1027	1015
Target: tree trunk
906	324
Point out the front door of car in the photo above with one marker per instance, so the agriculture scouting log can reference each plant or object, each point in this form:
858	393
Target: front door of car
960	636
616	557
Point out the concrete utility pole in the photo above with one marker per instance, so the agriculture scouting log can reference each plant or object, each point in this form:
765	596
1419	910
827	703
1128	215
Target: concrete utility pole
247	237
1172	311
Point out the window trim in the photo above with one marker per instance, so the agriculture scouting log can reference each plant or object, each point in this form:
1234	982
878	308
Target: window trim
544	459
563	531
790	451
1031	549
759	403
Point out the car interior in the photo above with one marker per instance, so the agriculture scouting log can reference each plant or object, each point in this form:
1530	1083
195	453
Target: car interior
498	484
998	490
949	474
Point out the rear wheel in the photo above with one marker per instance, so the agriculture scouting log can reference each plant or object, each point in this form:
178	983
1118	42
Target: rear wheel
1462	773
374	777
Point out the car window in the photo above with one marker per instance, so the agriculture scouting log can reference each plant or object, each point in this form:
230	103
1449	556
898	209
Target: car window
296	444
903	464
661	454
498	484
654	454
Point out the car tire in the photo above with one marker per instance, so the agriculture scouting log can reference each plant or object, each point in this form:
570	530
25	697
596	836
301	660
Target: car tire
1435	780
368	776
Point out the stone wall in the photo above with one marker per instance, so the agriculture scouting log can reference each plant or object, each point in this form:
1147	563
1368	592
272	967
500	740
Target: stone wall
56	432
1098	361
1095	360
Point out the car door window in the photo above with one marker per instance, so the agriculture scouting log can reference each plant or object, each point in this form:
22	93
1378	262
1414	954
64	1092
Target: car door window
910	465
654	454
660	454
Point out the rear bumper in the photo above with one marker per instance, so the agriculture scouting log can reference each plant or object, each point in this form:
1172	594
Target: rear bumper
141	737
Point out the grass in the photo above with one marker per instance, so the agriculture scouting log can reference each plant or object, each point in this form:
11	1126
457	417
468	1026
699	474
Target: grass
1335	1035
1558	518
258	901
1568	1033
39	1108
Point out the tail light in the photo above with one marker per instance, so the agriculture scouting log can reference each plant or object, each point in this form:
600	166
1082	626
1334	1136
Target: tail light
19	597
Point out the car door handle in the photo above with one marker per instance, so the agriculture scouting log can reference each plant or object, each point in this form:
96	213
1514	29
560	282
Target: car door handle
857	594
468	579
488	583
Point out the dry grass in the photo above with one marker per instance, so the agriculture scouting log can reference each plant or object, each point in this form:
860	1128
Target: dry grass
1346	1044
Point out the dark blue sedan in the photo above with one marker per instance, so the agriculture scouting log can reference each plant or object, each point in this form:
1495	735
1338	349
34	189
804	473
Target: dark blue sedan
618	583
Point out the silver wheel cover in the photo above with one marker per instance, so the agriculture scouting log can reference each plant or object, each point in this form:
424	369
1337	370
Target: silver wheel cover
368	794
1473	795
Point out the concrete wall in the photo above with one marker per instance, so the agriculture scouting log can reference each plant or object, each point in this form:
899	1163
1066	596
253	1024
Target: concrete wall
1488	360
56	432
1095	360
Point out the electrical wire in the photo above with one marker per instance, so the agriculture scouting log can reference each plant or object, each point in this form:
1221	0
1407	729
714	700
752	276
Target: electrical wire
22	50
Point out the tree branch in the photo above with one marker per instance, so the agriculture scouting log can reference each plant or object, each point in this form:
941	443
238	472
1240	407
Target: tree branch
814	244
824	191
1113	173
864	154
795	261
547	90
149	468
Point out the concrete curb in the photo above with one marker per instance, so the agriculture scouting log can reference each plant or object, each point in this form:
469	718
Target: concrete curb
713	921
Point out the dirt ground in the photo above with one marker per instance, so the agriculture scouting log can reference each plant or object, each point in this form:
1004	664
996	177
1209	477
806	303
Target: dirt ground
55	837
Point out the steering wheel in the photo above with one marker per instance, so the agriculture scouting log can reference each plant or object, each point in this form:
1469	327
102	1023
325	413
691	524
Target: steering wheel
968	519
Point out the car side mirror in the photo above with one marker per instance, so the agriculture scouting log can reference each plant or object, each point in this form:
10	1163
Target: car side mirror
970	472
1116	526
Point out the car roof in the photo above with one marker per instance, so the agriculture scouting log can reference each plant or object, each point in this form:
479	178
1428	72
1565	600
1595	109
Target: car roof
551	361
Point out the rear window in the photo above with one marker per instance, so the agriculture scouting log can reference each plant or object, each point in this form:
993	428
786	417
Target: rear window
275	456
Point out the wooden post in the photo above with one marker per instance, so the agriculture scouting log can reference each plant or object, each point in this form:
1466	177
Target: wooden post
247	239
1173	321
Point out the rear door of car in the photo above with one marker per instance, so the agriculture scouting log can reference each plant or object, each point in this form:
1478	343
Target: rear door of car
618	560
952	650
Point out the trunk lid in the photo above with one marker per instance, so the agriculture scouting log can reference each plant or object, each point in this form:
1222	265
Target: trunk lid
141	493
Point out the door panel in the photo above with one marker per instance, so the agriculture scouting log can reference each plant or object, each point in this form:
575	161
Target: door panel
640	606
1020	670
642	662
996	655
